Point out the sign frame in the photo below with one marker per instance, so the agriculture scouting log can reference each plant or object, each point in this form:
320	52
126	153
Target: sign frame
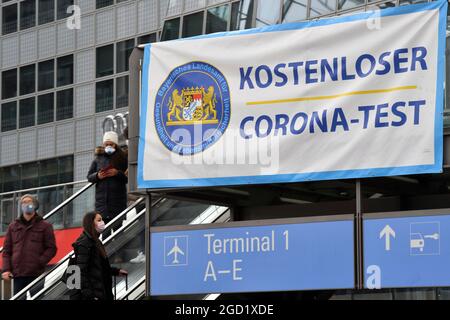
394	215
256	223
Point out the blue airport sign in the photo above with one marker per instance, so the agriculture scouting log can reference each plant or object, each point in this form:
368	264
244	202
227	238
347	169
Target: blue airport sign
408	251
289	254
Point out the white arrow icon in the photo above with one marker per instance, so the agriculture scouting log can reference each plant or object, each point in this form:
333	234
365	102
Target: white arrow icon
387	232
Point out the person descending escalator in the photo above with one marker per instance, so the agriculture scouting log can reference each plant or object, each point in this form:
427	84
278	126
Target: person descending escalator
29	246
93	263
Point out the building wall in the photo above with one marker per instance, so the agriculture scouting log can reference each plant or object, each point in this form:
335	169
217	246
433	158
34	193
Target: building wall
81	133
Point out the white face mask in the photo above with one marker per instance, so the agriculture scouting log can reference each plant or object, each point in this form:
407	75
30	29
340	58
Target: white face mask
100	226
110	150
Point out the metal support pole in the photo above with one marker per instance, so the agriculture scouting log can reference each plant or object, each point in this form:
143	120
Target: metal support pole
359	281
15	210
148	207
65	193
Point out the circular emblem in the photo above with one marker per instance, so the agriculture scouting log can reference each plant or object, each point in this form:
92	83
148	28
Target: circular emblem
192	108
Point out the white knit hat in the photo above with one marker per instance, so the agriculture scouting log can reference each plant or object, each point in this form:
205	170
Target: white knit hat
111	136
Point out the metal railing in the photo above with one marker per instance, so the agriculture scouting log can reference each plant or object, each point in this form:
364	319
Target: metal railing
57	274
212	214
136	292
43	188
49	196
46	217
64	203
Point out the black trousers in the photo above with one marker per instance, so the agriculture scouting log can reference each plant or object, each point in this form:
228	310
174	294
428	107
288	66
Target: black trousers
21	282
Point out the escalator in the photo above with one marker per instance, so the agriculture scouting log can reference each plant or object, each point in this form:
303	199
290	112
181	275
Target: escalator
48	278
125	245
65	205
212	214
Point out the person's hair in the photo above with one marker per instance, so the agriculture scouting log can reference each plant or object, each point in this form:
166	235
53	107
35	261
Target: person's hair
119	160
89	228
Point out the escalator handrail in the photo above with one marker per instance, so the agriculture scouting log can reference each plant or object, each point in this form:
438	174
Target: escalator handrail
116	218
67	257
205	220
110	238
133	288
64	203
31	190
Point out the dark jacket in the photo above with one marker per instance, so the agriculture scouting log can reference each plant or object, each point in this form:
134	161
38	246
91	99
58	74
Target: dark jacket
96	272
110	193
28	247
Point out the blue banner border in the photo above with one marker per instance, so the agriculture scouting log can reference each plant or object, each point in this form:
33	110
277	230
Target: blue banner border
312	176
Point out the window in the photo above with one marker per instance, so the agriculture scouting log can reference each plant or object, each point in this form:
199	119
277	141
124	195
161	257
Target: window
105	61
124	50
27	14
171	30
46	107
46	11
9	84
217	19
9	23
30	175
27	112
193	25
64	104
122	92
406	2
294	10
61	10
268	13
319	8
348	4
27	79
9	116
64	70
103	3
241	15
381	6
46	74
65	169
37	174
11	178
150	38
104	93
48	172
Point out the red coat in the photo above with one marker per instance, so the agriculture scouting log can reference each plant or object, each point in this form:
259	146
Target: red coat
28	248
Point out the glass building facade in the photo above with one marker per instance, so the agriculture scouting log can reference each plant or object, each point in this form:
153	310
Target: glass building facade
59	83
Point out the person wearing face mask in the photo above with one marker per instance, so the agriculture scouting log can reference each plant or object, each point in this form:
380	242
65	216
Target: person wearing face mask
29	245
92	259
107	171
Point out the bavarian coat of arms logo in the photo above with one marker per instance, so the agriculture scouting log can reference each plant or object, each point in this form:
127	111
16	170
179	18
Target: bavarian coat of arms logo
192	108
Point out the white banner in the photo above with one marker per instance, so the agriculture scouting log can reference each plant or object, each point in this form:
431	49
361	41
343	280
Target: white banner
348	97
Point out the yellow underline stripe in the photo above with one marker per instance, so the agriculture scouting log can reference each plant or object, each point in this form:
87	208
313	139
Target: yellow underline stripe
334	96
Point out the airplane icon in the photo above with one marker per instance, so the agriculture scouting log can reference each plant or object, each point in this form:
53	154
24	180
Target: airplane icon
175	251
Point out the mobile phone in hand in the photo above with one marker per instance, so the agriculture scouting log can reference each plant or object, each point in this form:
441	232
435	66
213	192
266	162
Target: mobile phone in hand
106	169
